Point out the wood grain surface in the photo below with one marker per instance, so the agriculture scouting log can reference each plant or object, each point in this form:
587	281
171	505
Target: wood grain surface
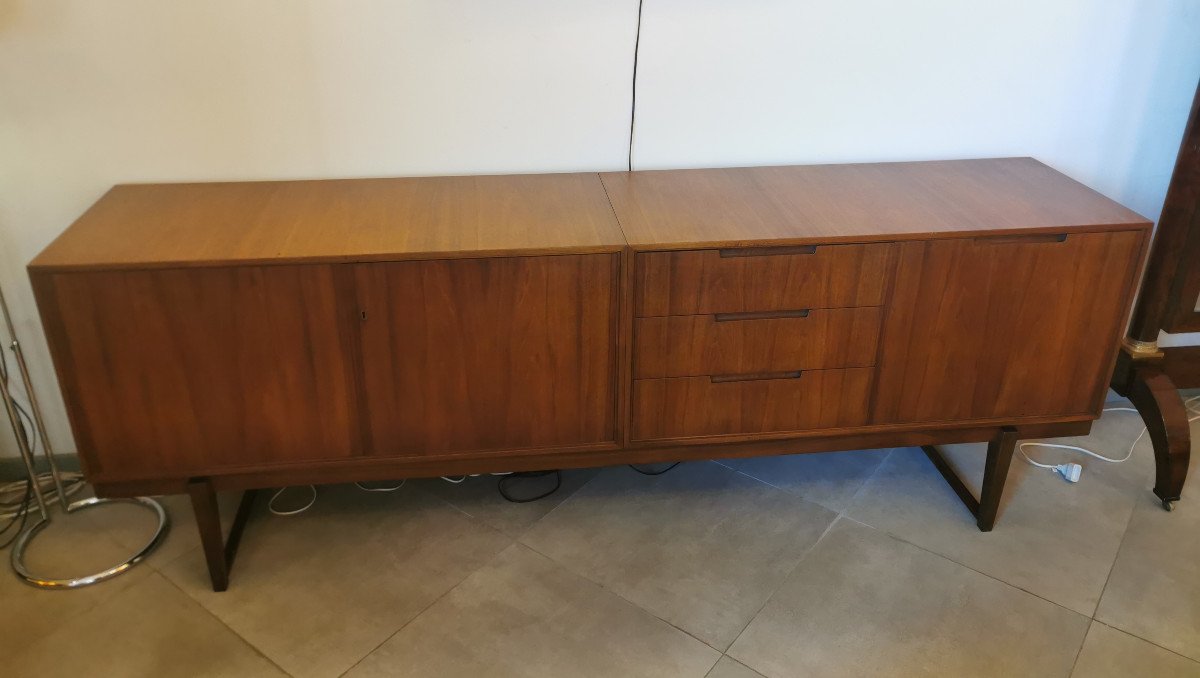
1004	327
691	345
171	225
184	370
289	329
704	281
671	209
487	354
698	406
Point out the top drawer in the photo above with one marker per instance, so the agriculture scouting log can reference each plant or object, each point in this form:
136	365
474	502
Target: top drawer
761	279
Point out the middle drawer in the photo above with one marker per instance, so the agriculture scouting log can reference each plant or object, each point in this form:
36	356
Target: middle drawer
745	343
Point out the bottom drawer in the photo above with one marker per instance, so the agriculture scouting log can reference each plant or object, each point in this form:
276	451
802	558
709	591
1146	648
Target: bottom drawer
711	406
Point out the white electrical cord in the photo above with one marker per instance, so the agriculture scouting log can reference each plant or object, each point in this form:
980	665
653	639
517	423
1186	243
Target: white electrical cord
1071	472
313	499
457	480
271	504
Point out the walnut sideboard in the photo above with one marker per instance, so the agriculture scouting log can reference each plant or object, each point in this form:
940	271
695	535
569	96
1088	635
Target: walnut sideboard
221	336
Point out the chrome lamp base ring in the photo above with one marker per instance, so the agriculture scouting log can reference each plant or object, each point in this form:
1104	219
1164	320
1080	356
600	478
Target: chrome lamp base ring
22	543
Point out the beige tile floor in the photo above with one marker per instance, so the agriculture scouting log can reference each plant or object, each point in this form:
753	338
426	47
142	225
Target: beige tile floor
843	564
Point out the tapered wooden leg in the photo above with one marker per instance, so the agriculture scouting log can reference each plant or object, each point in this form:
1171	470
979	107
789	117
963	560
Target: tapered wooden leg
1157	400
995	473
218	551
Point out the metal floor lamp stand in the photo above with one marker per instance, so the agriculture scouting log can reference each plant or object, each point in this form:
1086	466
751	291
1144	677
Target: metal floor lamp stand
26	450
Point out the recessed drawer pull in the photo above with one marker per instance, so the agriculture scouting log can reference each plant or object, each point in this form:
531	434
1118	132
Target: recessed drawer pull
766	251
760	315
1023	239
761	376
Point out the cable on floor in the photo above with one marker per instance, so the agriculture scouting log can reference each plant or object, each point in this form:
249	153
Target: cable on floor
393	488
457	480
654	473
312	489
19	518
1071	472
17	497
509	477
291	512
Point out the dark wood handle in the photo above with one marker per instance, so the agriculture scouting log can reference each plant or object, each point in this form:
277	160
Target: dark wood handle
767	251
760	315
761	376
1017	239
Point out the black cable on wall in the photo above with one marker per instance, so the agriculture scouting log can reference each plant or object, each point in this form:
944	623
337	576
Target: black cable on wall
637	41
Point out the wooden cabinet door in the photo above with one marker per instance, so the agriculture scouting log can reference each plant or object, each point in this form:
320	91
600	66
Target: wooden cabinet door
489	354
1004	327
182	372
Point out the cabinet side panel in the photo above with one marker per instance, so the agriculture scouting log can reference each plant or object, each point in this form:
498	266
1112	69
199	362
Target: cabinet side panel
489	354
188	371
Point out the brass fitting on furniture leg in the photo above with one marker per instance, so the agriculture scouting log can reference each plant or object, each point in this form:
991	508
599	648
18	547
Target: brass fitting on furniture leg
1141	350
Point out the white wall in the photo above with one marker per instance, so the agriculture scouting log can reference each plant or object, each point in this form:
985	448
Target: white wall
95	92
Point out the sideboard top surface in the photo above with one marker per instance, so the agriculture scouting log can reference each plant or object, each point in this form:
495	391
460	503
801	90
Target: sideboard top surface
206	224
197	224
666	209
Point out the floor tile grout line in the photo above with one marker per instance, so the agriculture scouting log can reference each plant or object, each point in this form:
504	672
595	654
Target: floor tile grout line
1079	652
1090	620
1116	556
782	582
604	587
618	594
789	491
670	623
771	595
425	609
475	521
1146	640
222	622
740	663
840	514
866	483
891	534
961	564
828	528
888	453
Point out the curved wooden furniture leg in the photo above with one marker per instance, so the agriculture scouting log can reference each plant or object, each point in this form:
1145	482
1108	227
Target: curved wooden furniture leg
1157	400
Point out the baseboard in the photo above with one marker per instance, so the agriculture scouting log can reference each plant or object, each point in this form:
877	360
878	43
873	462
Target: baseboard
12	468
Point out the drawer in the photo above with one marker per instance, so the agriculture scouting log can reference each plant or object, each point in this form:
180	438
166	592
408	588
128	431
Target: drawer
712	406
747	343
761	279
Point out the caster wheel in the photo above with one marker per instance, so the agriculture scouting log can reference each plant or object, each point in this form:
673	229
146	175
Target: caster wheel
1168	505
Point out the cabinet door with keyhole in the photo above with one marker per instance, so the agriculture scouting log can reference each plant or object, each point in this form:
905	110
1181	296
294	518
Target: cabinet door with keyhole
1003	327
489	354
